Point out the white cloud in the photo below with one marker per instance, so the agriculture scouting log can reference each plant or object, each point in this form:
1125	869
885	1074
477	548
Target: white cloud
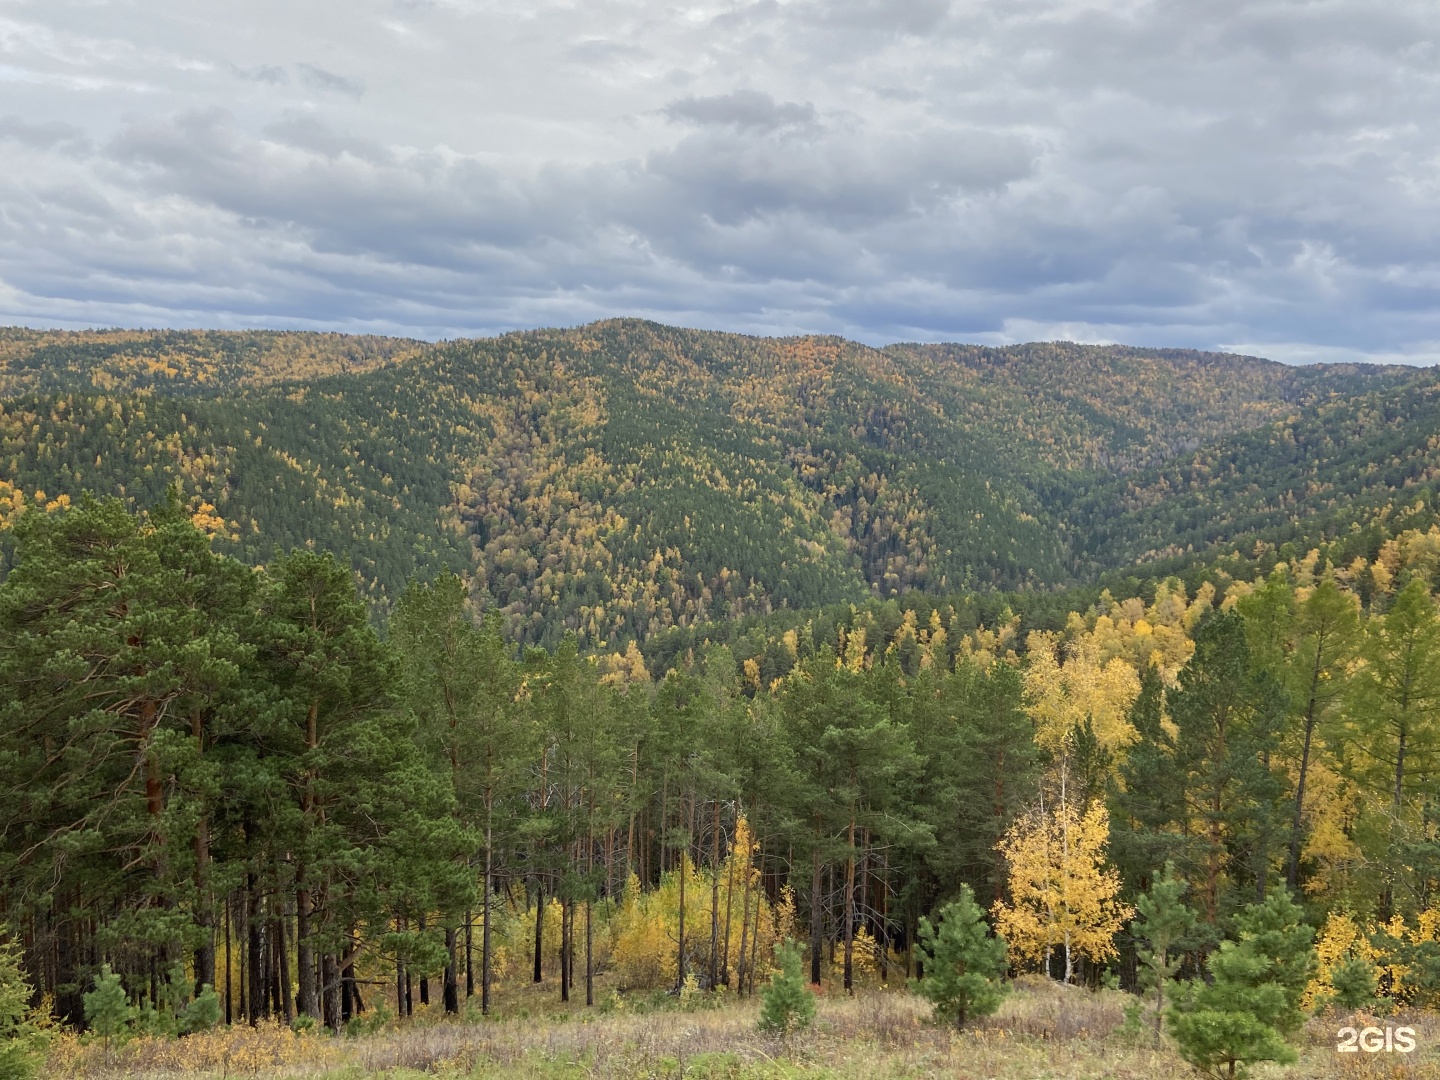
1157	172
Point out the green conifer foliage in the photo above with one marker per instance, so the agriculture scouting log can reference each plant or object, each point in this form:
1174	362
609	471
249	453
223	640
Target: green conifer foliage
1394	729
1147	795
1252	1001
108	1011
1164	925
18	1037
1228	712
963	962
203	1013
1354	980
787	1004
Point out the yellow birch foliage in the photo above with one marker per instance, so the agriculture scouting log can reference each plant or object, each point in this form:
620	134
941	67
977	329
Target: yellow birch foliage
868	953
512	944
12	504
513	939
644	937
621	669
1061	892
1157	635
647	926
1331	806
783	929
984	646
934	645
1425	929
1085	687
739	864
1091	670
1341	938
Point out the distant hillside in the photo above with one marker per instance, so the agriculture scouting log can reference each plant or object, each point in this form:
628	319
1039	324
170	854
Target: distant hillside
624	477
182	361
1324	471
1113	407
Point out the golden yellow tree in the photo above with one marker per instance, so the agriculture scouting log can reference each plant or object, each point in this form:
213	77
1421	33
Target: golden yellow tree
646	926
1086	687
1061	892
1341	938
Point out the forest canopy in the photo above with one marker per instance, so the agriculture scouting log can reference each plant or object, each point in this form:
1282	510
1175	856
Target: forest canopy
625	479
340	670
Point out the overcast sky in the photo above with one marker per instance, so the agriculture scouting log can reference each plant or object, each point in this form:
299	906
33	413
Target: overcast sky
1239	174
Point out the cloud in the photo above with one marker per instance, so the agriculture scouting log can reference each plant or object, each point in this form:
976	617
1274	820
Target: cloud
600	52
273	74
309	75
1151	171
317	78
41	136
751	110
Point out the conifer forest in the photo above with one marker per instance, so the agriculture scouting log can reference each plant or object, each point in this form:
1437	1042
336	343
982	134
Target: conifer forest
356	686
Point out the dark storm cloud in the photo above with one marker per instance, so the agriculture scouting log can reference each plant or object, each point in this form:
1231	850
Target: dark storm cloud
1262	175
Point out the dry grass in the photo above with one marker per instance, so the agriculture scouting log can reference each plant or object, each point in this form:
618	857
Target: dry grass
1042	1031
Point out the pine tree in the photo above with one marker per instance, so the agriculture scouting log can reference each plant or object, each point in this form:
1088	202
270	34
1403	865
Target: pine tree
982	767
1229	715
1252	1001
371	830
964	962
108	1011
1147	796
19	1042
850	756
461	684
122	646
203	1013
1354	979
787	1005
1161	931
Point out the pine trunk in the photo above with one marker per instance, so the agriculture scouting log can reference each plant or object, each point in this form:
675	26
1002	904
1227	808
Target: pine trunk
715	897
850	914
815	885
452	982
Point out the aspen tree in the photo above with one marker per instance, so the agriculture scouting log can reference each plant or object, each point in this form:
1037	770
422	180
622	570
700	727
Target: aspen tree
1061	892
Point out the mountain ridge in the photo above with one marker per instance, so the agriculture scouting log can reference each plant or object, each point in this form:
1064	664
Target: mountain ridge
625	477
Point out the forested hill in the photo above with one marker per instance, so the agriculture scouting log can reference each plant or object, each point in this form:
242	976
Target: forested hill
183	361
624	477
1368	460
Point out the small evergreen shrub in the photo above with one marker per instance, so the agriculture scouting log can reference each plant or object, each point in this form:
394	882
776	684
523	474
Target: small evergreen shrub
1252	1002
19	1037
202	1014
1161	934
786	1004
963	962
108	1011
1355	984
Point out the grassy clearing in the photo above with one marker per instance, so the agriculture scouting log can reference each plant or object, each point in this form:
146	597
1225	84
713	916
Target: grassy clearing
1042	1031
